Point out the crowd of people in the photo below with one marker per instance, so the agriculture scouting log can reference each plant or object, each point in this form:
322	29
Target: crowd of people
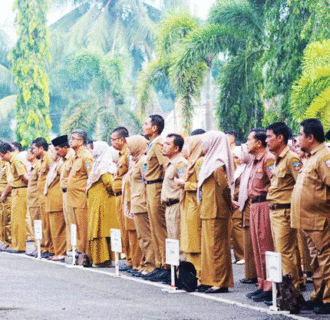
271	193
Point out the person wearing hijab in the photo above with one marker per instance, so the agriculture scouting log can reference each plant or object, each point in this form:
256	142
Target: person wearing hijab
137	146
191	225
215	187
54	206
101	204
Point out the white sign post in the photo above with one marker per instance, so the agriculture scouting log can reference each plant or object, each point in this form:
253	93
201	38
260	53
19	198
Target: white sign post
274	273
116	246
173	259
73	242
38	235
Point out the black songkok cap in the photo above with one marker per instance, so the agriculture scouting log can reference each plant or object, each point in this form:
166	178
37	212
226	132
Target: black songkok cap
60	141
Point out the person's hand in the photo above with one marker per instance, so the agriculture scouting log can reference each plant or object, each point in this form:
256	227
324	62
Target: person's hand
234	204
179	181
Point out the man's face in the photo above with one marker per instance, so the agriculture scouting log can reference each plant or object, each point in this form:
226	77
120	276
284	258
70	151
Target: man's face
75	141
37	151
169	149
252	143
303	140
147	128
5	156
30	156
116	141
61	151
273	141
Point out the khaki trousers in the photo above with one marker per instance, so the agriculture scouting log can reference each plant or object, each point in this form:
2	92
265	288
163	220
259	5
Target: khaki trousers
5	228
57	229
69	219
124	234
35	215
172	217
285	242
156	213
80	216
134	249
305	254
262	240
46	242
236	227
18	223
321	277
249	266
29	226
142	225
215	254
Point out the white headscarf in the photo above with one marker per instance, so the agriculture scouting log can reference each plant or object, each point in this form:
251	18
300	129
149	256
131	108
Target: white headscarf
103	162
217	154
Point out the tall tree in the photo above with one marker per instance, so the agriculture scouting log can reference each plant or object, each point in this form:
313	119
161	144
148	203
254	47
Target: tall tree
29	61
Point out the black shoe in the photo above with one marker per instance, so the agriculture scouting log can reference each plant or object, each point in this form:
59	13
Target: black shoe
254	293
268	302
264	296
202	288
151	274
220	290
125	267
132	270
10	250
137	274
302	287
248	281
322	309
161	276
46	255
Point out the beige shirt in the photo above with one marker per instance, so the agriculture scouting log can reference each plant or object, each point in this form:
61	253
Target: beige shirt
122	169
17	169
67	164
138	189
32	193
176	168
285	173
310	204
77	180
3	175
43	168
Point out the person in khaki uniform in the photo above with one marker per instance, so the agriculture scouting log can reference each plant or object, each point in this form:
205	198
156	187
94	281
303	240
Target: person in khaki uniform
153	176
5	207
81	166
40	148
118	141
18	181
64	151
215	186
54	206
171	191
285	173
310	203
190	222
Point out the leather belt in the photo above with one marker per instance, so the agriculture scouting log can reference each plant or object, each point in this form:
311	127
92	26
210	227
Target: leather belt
259	199
117	194
171	202
155	181
280	206
64	190
18	187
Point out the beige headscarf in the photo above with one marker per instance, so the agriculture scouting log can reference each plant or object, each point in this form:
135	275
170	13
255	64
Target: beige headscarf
194	153
137	146
218	153
102	163
241	153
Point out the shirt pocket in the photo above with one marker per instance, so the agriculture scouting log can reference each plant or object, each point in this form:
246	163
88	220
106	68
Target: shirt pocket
258	178
77	167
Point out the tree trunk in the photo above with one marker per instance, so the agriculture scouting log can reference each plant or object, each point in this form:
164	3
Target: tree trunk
208	104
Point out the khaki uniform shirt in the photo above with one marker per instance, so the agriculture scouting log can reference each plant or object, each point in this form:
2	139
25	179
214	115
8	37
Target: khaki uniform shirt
287	166
260	175
122	169
310	204
66	167
153	168
175	169
17	169
3	175
138	189
32	192
43	168
77	180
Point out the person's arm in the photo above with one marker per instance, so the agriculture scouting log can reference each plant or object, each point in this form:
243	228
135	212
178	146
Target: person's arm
5	193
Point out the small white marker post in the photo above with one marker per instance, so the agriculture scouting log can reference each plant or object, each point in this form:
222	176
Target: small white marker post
173	259
116	247
274	273
38	235
73	242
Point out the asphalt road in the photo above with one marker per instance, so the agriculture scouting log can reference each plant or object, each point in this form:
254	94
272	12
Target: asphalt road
33	289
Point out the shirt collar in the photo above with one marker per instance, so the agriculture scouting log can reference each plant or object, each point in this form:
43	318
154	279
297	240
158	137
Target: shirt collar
319	147
260	156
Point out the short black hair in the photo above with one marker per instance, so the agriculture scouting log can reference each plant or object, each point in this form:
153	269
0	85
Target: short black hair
41	142
17	145
281	128
260	135
197	131
313	126
178	140
232	133
121	131
5	147
90	142
157	120
82	134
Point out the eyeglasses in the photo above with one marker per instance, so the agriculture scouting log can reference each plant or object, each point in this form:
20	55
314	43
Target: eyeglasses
73	138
